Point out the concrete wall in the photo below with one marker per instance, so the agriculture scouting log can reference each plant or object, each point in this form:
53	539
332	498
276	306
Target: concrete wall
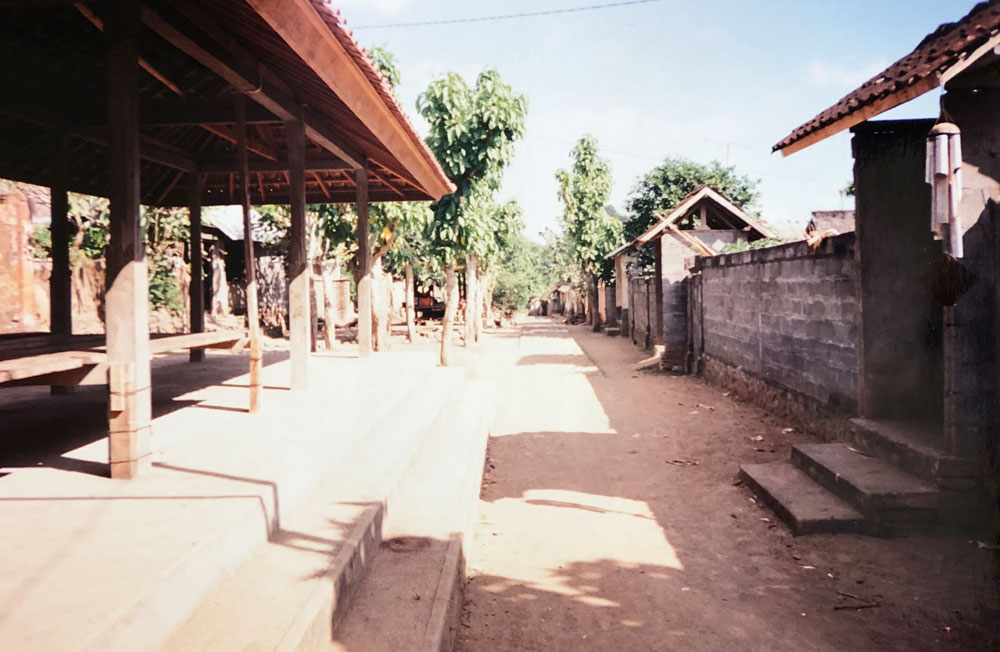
674	316
901	355
641	300
782	315
970	419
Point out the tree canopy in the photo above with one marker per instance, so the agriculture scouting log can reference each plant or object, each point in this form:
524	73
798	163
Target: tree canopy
591	231
663	187
472	134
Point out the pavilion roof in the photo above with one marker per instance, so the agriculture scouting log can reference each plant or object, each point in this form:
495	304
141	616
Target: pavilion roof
291	58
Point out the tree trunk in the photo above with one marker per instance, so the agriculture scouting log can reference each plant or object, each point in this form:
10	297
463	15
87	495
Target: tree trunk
410	299
450	308
595	315
380	316
482	302
470	299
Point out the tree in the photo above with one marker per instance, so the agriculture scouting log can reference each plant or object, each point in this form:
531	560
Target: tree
521	275
663	187
472	131
592	232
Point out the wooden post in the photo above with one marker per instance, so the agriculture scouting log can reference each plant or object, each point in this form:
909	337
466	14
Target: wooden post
60	283
253	318
364	266
60	280
298	269
410	308
197	290
126	301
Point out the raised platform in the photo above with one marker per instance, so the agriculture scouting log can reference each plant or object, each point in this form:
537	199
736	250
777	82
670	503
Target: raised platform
113	565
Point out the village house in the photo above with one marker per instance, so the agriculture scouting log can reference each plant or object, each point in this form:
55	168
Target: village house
923	388
704	223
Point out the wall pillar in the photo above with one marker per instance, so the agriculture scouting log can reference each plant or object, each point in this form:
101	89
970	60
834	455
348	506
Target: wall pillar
126	301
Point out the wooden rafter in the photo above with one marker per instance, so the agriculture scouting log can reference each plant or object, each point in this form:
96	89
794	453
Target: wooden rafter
322	186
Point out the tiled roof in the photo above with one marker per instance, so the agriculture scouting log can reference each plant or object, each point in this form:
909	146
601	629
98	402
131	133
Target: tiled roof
913	75
338	26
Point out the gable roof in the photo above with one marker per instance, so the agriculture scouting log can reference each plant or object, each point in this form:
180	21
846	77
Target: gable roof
841	221
705	192
944	53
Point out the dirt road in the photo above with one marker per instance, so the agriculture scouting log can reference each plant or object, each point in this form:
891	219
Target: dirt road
611	519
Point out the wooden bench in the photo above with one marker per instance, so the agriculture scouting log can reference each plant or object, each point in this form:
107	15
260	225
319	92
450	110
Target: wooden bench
44	359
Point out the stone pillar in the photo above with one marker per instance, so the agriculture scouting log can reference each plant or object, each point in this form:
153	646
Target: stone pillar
126	301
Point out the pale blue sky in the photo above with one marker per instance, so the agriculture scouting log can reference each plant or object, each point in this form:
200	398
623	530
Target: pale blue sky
704	79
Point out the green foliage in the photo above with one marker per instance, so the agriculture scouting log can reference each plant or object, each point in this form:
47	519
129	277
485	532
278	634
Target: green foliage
41	241
557	262
592	233
386	63
663	187
91	217
763	243
472	134
848	190
164	291
521	274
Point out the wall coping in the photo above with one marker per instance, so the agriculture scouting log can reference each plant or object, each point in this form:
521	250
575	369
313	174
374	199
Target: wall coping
836	245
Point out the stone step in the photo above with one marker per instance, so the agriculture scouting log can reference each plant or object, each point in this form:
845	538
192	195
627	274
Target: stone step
412	597
291	592
805	506
612	331
914	448
890	498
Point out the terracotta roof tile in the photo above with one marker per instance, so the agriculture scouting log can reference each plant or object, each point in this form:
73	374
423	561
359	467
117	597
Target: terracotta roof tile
338	26
938	51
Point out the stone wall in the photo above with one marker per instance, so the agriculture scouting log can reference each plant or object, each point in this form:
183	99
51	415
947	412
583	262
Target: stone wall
784	316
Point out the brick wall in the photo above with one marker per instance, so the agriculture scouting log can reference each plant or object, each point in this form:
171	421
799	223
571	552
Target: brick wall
785	316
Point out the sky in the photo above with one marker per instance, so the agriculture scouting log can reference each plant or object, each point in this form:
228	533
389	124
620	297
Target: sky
701	79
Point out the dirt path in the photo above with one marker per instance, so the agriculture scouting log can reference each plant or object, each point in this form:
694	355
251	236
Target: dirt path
611	519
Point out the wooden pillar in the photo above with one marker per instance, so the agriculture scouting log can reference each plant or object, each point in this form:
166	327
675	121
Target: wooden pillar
126	301
253	319
298	268
197	290
60	289
364	266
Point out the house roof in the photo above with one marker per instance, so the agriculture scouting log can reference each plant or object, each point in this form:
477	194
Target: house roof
291	59
624	249
668	220
949	50
839	221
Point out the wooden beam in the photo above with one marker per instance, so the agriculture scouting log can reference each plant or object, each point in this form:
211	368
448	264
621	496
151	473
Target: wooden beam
126	300
386	182
300	323
305	31
170	187
197	288
234	64
216	166
225	133
89	14
251	276
322	186
364	265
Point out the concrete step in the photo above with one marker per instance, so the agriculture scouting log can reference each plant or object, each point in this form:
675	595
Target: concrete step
290	592
244	485
891	499
914	448
412	598
805	506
